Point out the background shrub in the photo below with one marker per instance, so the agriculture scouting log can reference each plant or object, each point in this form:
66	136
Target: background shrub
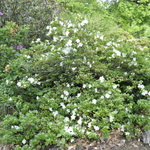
36	14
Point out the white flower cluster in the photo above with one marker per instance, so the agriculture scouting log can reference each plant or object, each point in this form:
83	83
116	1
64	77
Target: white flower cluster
55	113
94	101
62	105
111	118
27	56
79	121
73	116
25	82
24	141
144	91
69	130
141	86
84	22
64	36
15	127
102	79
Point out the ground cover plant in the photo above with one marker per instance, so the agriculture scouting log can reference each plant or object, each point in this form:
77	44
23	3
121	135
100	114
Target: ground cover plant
76	82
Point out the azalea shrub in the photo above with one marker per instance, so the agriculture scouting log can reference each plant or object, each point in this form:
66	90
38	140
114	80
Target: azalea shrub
75	83
36	14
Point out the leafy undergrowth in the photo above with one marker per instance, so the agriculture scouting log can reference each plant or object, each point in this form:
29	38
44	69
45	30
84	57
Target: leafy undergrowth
73	83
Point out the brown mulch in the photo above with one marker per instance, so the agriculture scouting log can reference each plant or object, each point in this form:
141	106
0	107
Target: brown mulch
115	141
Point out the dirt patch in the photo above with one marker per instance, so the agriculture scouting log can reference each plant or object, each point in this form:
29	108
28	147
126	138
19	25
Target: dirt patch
115	141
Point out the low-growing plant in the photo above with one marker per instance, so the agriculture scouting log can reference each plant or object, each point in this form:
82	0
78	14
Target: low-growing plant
75	84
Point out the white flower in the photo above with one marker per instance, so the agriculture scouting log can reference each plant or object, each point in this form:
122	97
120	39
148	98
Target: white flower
61	64
49	33
70	25
37	97
24	141
102	97
126	109
80	45
7	81
66	50
66	119
102	79
84	22
96	128
89	124
61	23
79	94
117	52
15	127
54	28
84	85
31	80
90	86
62	105
50	109
39	83
134	59
72	140
109	92
140	86
75	30
10	99
101	37
62	96
107	95
116	111
111	118
55	113
114	86
94	101
77	40
127	133
84	116
74	111
144	92
65	98
48	27
27	56
69	43
38	40
122	128
55	39
89	64
124	55
67	33
73	117
96	90
19	84
66	93
79	121
69	130
74	68
68	110
68	85
84	59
